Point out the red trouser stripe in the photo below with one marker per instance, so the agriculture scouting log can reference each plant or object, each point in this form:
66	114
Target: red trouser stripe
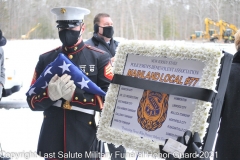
65	141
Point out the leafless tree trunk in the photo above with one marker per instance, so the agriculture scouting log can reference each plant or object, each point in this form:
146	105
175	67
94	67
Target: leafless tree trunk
217	6
133	19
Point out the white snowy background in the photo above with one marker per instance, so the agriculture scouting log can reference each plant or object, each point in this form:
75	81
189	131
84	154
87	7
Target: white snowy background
19	128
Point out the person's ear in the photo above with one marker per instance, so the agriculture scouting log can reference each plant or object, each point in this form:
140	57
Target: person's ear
96	28
83	28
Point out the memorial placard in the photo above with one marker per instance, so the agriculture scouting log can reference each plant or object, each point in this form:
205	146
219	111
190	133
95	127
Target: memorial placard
142	118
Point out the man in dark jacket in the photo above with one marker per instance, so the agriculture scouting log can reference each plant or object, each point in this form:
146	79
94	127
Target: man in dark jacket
3	42
228	141
103	34
103	39
68	130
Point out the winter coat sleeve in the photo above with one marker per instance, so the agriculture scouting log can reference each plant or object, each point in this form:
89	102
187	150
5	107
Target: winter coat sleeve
2	69
40	101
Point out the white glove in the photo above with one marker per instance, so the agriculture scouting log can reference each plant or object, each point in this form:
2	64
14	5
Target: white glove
54	90
68	95
66	83
57	85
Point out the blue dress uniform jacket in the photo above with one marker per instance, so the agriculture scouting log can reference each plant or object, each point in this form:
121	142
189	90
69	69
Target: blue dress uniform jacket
228	140
71	134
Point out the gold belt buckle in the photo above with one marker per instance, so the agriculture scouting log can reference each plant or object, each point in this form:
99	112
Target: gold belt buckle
67	105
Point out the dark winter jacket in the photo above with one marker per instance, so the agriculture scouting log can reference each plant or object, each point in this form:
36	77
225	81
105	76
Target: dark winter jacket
228	141
99	43
2	68
111	49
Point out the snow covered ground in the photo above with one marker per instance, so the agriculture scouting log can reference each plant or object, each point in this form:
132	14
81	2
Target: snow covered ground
19	128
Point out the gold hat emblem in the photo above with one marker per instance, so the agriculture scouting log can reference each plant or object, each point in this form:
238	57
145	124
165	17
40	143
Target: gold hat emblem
63	10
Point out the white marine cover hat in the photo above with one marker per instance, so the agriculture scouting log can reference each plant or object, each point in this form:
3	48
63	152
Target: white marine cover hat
70	13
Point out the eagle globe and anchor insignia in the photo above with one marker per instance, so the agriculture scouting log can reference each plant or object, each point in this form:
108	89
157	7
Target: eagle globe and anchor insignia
152	110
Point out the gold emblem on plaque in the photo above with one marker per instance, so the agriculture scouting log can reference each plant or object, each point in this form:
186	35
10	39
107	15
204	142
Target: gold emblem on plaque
152	110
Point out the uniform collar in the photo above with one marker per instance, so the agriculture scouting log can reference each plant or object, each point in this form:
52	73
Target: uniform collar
3	41
73	49
236	57
97	39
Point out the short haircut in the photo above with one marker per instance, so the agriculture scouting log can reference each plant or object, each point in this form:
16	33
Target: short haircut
99	16
237	40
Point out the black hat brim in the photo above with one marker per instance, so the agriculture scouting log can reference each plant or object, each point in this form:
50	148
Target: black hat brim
3	41
68	23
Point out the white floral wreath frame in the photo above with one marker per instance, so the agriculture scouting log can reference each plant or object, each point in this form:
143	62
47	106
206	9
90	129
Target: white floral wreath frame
209	56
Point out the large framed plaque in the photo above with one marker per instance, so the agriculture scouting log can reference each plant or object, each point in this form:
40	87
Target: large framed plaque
159	91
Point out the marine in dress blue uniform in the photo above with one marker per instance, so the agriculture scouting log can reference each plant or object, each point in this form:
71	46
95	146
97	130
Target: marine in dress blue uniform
67	133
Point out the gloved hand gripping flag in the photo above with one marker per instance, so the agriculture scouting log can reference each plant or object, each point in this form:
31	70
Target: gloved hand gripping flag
60	66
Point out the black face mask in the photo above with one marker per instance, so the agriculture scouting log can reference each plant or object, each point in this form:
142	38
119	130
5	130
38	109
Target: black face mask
107	31
68	37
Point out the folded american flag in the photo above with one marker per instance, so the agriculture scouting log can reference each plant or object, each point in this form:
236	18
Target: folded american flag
60	66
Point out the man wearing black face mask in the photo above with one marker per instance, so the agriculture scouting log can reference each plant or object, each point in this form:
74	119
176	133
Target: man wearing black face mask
103	39
68	129
103	34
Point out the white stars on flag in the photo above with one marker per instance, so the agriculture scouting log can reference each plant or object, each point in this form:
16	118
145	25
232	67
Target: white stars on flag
64	67
31	91
48	71
83	83
46	84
